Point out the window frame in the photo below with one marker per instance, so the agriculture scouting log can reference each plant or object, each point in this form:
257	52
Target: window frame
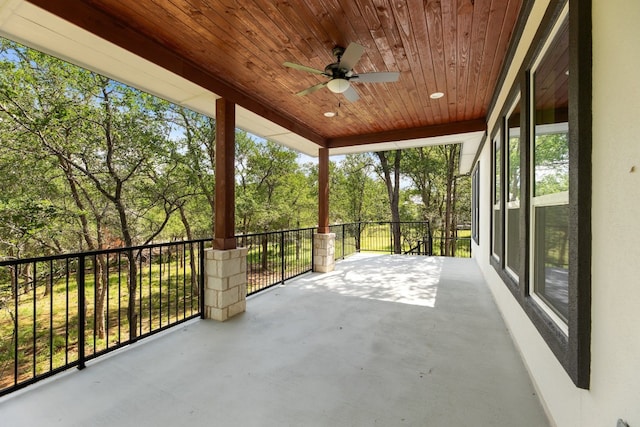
570	344
515	100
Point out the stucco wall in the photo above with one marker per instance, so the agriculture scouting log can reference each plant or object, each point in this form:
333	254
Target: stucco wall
615	338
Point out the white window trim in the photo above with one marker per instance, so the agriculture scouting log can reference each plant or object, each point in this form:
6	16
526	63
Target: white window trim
555	199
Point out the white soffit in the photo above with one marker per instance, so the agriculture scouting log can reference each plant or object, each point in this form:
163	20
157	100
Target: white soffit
259	126
470	143
27	24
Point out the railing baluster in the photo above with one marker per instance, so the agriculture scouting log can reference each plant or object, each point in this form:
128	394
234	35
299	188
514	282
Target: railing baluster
282	256
150	259
131	308
81	312
95	285
35	321
119	297
51	315
106	319
184	280
16	324
343	239
201	278
140	297
177	279
160	284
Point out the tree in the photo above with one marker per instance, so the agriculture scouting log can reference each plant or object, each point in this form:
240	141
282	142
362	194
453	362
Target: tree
109	141
445	194
392	180
196	154
423	166
268	193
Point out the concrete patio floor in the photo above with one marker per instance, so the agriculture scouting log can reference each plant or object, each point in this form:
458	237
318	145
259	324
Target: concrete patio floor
383	340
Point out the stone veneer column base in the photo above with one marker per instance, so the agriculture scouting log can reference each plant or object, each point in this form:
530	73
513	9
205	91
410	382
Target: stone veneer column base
324	248
225	292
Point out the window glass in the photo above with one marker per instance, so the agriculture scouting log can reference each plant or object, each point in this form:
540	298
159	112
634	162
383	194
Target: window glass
496	211
513	123
551	90
551	162
497	164
550	175
552	256
475	201
513	190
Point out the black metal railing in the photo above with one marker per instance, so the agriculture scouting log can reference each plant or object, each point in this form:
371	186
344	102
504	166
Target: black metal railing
274	257
347	239
459	247
378	237
61	311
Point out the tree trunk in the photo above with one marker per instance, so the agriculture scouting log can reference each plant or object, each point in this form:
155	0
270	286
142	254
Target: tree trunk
14	282
448	215
192	257
265	254
393	190
100	288
28	280
101	293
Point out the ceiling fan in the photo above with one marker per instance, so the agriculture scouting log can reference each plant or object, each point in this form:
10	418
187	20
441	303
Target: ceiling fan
341	74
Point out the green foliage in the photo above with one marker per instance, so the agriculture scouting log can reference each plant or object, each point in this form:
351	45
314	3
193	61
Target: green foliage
106	164
355	193
551	158
272	189
427	170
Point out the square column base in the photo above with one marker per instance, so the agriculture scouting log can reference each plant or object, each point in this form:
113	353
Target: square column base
324	256
225	291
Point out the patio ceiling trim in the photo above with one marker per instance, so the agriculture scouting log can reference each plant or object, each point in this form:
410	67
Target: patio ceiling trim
409	134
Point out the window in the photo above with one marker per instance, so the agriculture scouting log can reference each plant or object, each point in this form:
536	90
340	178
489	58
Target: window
541	201
512	191
549	249
496	217
475	204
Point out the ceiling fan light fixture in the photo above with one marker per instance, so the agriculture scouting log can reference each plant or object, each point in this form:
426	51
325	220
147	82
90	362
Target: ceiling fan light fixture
338	85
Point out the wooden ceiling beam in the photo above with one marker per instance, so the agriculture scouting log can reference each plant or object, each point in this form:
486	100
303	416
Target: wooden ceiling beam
408	134
107	27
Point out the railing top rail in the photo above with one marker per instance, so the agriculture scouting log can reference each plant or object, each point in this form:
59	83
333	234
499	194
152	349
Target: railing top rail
71	255
98	252
275	232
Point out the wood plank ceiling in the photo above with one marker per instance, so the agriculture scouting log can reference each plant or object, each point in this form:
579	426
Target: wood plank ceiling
236	48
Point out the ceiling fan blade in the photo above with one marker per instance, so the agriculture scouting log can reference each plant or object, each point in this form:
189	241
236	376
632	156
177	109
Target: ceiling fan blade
312	89
351	94
351	56
376	77
302	68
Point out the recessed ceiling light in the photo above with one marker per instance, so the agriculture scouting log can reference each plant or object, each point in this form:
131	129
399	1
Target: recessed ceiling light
329	114
436	95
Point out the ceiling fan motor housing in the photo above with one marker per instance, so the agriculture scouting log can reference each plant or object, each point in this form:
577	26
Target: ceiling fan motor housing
334	71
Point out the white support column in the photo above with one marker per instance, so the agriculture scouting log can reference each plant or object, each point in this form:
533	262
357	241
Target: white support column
324	252
225	290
